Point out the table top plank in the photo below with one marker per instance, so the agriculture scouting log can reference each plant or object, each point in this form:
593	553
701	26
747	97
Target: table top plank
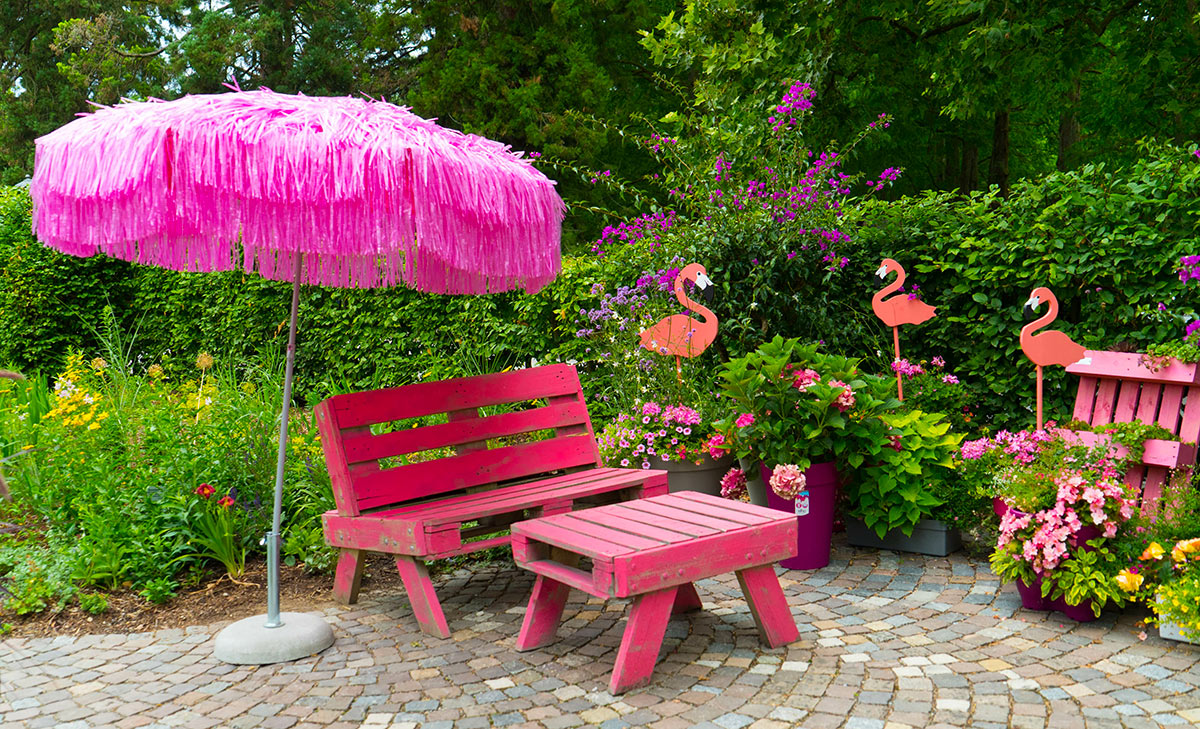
555	535
737	511
682	516
660	515
657	528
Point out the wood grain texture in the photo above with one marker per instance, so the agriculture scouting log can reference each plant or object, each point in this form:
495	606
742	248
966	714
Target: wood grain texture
1129	366
348	576
768	605
425	606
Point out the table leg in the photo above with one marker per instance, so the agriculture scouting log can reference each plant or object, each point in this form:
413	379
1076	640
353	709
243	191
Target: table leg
543	614
686	599
642	640
761	588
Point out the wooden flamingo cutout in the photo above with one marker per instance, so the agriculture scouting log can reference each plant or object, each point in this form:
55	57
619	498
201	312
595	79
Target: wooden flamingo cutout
1047	348
898	309
680	334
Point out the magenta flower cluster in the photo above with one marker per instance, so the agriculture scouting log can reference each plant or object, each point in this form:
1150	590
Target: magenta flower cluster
733	483
670	433
645	227
797	99
1023	445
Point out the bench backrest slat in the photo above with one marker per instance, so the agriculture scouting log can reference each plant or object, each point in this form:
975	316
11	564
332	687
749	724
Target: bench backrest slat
432	398
1119	387
476	468
559	433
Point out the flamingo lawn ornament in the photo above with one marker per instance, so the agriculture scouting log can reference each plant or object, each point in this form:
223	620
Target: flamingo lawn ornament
680	334
898	309
1047	348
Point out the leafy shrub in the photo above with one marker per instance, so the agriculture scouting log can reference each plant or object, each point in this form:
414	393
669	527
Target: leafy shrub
95	603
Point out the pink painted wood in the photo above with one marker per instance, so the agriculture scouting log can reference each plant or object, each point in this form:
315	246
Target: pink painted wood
654	550
1119	387
430	508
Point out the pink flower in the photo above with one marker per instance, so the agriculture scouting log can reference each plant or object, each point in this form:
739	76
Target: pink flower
716	446
937	362
651	408
803	378
975	449
733	483
950	379
907	368
844	401
787	481
744	420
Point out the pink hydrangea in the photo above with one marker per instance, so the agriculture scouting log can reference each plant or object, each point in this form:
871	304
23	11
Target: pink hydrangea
845	400
788	481
744	420
733	483
802	379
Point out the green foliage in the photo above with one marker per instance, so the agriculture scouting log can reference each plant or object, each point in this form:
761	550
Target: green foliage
158	591
95	603
1088	575
37	576
304	544
898	486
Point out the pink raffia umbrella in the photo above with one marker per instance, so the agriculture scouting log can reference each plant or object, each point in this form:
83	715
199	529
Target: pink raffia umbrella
326	191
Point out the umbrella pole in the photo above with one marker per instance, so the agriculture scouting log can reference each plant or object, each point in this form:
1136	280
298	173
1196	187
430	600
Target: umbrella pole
274	537
282	636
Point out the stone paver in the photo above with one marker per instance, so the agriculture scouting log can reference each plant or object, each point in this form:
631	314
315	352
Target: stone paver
887	641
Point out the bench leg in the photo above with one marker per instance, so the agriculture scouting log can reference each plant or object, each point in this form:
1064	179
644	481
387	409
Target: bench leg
761	588
425	606
348	576
686	599
642	640
543	614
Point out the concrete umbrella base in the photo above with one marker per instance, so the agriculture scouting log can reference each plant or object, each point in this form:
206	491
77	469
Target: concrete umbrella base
251	642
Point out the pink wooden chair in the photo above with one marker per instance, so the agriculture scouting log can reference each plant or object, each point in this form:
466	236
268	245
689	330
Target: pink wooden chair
1116	387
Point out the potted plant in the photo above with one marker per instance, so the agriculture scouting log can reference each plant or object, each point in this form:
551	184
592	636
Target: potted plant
1064	504
1166	573
893	501
674	438
798	417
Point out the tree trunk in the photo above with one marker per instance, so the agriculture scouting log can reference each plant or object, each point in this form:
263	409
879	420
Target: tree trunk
968	175
998	167
1068	131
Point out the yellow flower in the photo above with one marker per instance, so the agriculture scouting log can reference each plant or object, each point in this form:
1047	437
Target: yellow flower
204	360
1178	555
1129	581
94	426
1188	546
155	371
99	364
1154	551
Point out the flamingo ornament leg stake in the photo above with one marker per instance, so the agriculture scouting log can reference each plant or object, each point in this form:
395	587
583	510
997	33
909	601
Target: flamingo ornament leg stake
899	377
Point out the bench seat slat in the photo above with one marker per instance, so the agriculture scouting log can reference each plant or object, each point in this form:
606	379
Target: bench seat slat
442	475
429	398
467	507
367	447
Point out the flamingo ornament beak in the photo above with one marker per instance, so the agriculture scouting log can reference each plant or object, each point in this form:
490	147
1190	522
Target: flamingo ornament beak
707	289
1028	310
882	272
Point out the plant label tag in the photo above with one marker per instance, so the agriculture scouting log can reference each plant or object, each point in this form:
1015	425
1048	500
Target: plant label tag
802	504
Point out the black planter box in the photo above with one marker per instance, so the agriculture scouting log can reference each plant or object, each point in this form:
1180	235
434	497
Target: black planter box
929	537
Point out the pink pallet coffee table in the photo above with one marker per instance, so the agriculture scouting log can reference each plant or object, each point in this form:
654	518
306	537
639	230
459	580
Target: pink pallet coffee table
652	550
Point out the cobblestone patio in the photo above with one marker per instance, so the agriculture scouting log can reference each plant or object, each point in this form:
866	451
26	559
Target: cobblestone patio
887	641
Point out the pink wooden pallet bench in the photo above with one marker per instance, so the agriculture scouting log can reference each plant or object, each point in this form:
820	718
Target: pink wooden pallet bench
432	509
653	550
1117	388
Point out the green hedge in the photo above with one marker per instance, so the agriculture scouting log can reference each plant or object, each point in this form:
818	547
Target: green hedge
1106	241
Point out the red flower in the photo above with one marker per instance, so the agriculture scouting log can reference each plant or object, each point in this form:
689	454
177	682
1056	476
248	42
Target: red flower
204	490
226	501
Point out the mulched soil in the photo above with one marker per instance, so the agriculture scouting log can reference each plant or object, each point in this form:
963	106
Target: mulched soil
215	601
